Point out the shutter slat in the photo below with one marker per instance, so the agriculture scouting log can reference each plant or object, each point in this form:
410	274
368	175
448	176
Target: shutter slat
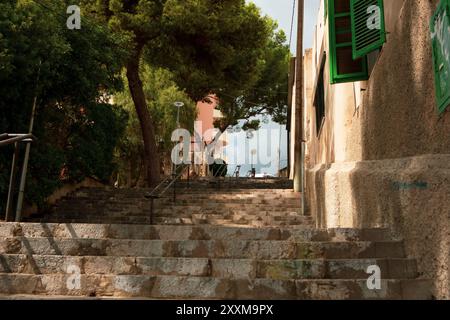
365	40
342	66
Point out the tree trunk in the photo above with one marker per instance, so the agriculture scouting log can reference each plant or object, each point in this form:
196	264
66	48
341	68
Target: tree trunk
151	157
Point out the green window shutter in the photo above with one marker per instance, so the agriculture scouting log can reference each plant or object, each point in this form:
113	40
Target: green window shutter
343	68
440	24
368	27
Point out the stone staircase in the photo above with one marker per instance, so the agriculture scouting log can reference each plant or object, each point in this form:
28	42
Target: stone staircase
202	262
238	242
243	203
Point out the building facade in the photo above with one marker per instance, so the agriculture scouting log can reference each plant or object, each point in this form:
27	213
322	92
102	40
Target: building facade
207	115
377	124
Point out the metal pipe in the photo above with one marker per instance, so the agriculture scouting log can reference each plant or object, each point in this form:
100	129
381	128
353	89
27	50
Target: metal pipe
16	138
171	183
17	134
22	183
175	189
151	210
12	180
152	196
12	135
25	161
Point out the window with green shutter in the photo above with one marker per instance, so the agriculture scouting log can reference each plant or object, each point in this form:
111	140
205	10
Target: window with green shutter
440	35
343	68
368	28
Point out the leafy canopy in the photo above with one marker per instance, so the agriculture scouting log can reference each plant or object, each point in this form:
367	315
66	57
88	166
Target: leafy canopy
72	72
161	91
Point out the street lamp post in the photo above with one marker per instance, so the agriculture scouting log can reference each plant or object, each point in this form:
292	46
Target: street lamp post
253	152
179	105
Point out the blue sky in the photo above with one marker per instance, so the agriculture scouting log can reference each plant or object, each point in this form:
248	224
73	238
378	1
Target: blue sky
281	11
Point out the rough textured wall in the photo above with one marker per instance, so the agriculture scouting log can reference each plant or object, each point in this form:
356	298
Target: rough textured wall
392	9
408	195
329	145
396	171
308	107
206	115
399	117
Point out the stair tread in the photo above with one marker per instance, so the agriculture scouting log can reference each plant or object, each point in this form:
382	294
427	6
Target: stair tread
245	242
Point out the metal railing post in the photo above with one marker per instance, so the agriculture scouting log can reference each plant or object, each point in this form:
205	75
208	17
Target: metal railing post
188	174
22	183
174	189
157	194
27	153
12	182
151	210
16	139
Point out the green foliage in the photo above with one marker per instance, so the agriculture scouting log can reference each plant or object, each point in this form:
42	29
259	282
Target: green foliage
46	162
268	95
224	47
191	48
211	46
91	147
161	92
72	72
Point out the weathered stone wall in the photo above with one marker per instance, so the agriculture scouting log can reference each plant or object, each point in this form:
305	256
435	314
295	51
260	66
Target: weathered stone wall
383	155
62	192
399	116
408	195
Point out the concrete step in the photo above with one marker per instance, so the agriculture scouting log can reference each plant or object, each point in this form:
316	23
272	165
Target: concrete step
292	216
202	193
207	232
175	287
136	220
269	204
207	197
179	210
203	267
248	209
261	250
189	220
257	222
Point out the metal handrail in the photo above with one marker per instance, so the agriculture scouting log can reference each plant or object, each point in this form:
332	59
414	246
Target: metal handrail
13	138
160	185
237	170
174	180
155	195
5	140
13	135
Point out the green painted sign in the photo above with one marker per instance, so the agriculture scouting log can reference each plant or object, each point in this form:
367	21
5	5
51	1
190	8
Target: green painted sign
440	35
